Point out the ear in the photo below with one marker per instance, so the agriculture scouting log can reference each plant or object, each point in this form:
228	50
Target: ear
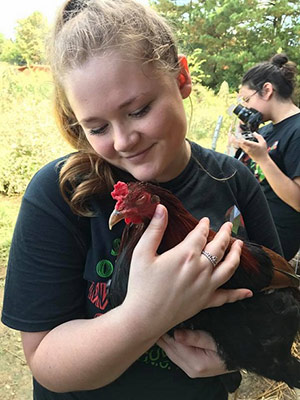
184	77
267	90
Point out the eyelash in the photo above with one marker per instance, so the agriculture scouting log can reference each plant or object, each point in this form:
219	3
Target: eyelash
141	112
137	114
98	131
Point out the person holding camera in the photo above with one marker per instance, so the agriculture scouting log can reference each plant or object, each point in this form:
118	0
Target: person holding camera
273	155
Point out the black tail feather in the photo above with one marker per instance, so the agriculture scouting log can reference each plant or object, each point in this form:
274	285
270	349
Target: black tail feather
292	375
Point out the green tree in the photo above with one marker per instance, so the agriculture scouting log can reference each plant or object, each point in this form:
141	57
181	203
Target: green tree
2	41
10	53
31	34
230	36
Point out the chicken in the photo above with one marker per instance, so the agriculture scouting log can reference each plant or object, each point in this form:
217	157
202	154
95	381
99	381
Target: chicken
255	334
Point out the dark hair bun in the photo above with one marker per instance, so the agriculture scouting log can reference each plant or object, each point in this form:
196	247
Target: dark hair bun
279	60
288	68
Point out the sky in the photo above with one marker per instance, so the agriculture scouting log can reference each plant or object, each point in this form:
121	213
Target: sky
20	9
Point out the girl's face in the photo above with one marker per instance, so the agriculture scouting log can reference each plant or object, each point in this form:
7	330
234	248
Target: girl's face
132	115
260	101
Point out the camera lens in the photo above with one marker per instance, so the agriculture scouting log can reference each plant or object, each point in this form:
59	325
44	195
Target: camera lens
242	112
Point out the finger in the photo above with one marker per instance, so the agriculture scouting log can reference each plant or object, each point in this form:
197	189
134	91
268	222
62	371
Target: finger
175	350
245	145
178	353
200	339
165	339
218	245
228	266
151	238
167	343
197	238
259	138
233	141
222	296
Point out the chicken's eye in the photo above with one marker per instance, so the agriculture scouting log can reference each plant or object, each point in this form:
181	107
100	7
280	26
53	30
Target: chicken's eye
155	199
141	200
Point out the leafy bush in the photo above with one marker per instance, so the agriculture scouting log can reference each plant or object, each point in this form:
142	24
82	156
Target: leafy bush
204	109
28	132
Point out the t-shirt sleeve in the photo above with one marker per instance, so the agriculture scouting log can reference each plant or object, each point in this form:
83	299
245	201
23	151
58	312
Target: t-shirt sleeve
44	283
292	156
253	205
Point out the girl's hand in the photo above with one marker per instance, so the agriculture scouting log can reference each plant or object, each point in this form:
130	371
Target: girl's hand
258	151
195	352
166	289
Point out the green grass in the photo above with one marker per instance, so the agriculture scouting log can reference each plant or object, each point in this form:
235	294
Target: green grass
9	207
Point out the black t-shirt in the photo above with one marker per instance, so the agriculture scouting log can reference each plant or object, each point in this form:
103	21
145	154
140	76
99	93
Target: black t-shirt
283	140
60	265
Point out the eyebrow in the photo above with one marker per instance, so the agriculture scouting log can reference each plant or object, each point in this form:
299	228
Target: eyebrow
129	101
88	120
120	107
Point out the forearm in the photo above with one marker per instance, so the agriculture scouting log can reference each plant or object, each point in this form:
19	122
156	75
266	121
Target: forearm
285	188
88	354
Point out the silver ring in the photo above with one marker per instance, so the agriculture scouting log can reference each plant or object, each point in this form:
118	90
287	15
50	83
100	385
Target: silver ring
211	258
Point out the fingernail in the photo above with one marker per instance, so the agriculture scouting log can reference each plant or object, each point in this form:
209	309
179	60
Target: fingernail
204	219
179	334
159	212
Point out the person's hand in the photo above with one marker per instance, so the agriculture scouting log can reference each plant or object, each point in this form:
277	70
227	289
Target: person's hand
233	141
166	289
258	151
195	352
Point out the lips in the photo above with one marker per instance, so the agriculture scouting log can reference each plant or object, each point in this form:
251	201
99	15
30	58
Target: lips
139	154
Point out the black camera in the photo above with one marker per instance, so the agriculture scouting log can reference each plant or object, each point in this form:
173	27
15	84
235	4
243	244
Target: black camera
251	118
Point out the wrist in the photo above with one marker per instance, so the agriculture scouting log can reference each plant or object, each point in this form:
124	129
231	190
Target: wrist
146	324
264	161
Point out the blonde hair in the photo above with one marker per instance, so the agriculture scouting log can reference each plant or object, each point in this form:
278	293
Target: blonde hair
89	28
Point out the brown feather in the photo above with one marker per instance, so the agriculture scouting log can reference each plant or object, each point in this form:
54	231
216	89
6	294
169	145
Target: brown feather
260	267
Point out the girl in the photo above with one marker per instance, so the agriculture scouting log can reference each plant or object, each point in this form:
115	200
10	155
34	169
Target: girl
119	85
268	87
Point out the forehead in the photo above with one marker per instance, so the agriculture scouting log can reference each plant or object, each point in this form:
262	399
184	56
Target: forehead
245	90
110	79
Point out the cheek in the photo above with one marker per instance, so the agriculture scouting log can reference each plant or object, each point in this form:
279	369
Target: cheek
102	145
171	121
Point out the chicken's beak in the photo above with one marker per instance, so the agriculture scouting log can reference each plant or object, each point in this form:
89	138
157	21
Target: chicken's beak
115	217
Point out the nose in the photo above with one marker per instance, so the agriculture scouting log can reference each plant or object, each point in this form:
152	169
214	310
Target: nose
124	138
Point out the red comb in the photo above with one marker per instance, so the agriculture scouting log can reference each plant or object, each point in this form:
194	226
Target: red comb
120	191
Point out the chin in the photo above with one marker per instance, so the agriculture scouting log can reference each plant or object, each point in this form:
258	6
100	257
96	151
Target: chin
145	176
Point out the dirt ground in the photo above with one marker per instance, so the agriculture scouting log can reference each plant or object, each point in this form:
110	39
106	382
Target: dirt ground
15	378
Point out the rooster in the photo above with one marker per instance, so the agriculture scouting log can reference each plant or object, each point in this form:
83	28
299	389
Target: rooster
255	334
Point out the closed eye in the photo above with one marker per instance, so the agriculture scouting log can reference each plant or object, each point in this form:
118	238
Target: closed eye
140	112
136	114
99	131
141	200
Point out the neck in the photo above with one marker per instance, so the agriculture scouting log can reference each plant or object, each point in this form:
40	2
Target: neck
283	111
